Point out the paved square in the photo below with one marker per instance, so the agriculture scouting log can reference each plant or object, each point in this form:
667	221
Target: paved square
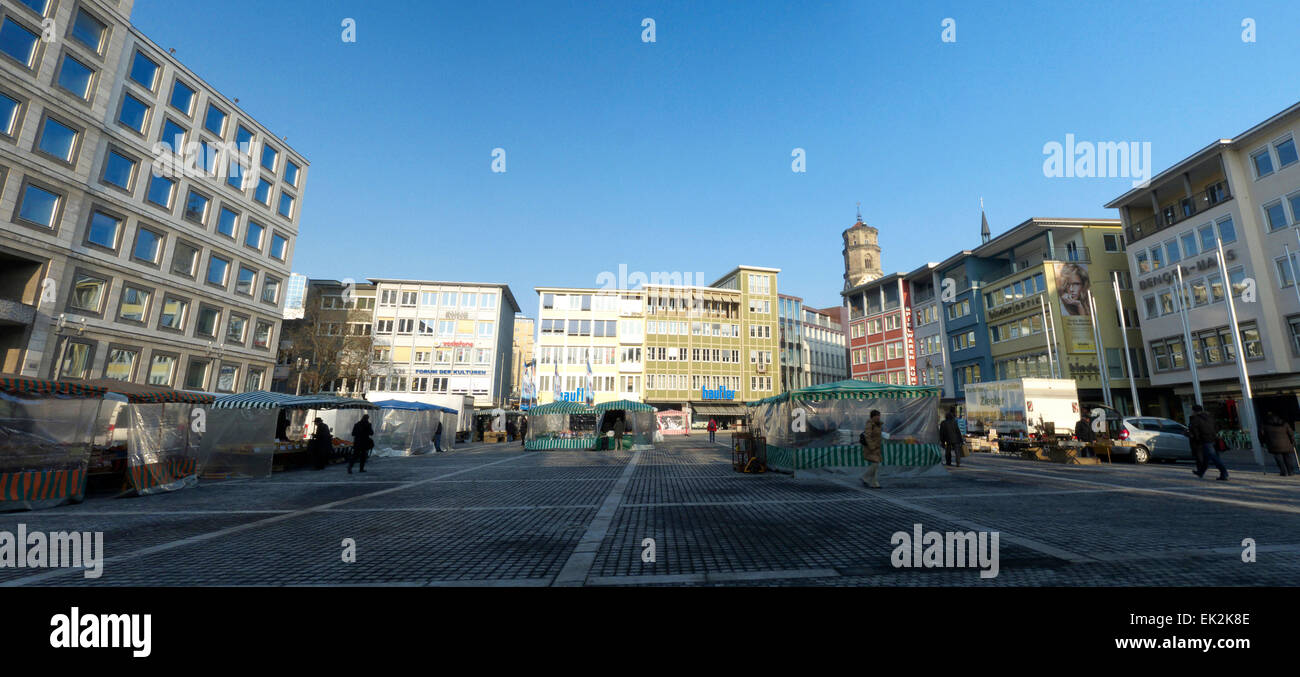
495	515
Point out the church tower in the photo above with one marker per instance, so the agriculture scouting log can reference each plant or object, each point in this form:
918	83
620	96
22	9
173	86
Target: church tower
861	253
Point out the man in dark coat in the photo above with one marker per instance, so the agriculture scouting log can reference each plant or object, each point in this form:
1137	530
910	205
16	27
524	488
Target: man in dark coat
951	439
363	440
523	430
437	438
1278	438
321	444
619	428
1084	433
1203	434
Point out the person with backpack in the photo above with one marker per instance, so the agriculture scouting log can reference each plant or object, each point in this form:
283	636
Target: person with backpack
1278	438
1204	437
713	428
873	449
363	440
951	439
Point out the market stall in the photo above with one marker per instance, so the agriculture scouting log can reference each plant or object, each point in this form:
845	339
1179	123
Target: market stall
561	425
163	430
819	426
299	411
46	432
638	418
673	422
406	428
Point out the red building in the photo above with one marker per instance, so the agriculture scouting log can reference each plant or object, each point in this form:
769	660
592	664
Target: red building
881	345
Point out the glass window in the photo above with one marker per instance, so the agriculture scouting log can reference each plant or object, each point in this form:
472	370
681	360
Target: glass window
245	282
174	136
76	359
1171	251
87	292
144	71
1208	241
226	376
148	245
1189	244
161	368
206	325
39	206
135	113
135	304
253	236
269	157
196	207
38	6
88	30
58	139
184	258
1263	163
75	76
182	97
235	328
1227	231
243	138
18	42
227	222
1275	215
160	191
8	114
291	173
104	230
196	377
1286	153
120	364
235	175
119	170
215	121
253	381
286	205
262	335
271	290
173	313
263	192
280	250
217	268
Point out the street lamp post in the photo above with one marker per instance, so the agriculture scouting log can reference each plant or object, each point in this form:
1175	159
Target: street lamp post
300	365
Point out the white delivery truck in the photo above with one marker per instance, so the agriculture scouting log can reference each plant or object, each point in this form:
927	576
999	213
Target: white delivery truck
1020	407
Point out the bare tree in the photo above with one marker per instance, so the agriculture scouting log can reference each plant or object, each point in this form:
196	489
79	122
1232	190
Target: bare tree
336	340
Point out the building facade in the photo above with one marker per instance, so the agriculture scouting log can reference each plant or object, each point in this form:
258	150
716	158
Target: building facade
880	339
522	348
822	347
147	223
433	339
1244	193
579	327
790	319
328	347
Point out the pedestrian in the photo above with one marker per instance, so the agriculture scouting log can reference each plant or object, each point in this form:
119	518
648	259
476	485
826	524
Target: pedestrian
1278	438
873	449
620	427
321	444
363	440
1083	432
523	430
951	438
713	428
1204	435
437	438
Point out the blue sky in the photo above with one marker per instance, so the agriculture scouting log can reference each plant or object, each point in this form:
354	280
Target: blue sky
676	155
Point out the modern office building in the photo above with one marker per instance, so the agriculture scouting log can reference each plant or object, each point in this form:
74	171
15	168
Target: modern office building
295	295
433	339
790	320
703	350
822	347
121	258
1243	192
580	327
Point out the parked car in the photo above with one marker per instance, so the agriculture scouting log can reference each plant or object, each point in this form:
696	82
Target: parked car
1159	439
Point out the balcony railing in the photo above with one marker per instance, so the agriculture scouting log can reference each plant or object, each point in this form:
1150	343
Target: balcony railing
1174	214
1075	254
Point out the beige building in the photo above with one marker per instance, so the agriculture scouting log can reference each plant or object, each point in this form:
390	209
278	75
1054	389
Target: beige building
1242	191
120	258
521	355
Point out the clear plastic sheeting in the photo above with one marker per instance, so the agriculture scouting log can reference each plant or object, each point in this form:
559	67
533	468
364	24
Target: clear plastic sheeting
673	422
561	431
44	450
403	432
449	421
803	433
641	426
238	444
163	446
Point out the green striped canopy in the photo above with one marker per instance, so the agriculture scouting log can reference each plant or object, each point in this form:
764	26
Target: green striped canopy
852	389
561	408
261	399
625	405
26	385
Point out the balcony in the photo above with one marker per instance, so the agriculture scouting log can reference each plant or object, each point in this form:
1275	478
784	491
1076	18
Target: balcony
1073	254
1172	215
15	313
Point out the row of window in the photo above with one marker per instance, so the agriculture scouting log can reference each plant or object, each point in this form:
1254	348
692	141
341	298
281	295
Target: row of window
586	354
1009	331
401	383
1201	291
384	355
1187	245
963	341
657	304
1034	284
408	326
446	299
91	292
760	284
597	328
1280	154
898	378
335	302
123	361
1211	347
1276	215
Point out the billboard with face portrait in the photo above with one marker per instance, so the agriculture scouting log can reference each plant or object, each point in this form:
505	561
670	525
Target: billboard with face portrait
1074	295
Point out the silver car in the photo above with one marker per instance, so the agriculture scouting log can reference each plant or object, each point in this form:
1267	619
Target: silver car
1159	439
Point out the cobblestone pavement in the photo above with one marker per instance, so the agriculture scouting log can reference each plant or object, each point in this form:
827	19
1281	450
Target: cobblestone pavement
494	515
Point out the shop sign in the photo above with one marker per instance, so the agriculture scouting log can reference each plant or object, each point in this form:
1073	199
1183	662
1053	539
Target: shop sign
453	372
717	394
574	396
1019	306
1171	276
